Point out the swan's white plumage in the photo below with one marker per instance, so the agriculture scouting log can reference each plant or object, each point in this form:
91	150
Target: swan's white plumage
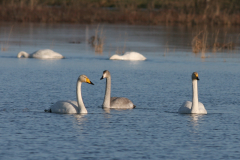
41	54
114	102
194	107
131	56
66	107
186	108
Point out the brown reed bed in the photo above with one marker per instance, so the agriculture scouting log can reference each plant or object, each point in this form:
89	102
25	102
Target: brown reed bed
5	46
97	41
202	43
191	12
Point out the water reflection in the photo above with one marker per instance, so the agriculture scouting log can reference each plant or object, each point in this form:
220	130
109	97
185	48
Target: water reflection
107	110
79	119
195	120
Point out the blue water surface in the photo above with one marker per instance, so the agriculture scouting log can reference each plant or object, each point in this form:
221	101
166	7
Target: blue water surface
157	86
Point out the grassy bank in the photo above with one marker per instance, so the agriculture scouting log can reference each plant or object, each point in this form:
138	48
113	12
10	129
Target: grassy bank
146	12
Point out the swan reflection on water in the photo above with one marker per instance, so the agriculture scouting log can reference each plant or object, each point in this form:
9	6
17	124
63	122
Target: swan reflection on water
108	110
195	118
80	118
196	121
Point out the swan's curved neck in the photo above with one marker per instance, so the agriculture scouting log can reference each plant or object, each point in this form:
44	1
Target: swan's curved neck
81	106
195	97
23	54
106	102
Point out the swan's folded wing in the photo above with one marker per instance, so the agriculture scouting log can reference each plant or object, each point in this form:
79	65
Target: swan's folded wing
185	108
121	102
65	107
201	108
46	54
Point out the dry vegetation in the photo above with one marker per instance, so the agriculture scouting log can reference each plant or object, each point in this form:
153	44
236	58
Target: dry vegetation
202	43
97	41
152	12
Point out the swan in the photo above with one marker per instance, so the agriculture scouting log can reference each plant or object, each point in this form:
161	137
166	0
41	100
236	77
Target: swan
131	56
41	54
114	102
193	107
68	106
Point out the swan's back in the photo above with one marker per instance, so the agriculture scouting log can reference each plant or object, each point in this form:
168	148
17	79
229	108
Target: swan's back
121	102
64	107
132	56
201	108
187	106
46	54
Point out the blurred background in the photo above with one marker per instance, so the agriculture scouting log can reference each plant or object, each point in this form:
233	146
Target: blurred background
153	12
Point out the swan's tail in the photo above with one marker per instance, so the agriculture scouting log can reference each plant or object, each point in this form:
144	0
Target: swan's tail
48	110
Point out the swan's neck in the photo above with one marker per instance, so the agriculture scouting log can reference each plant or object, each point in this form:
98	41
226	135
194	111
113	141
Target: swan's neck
81	106
106	103
195	97
23	54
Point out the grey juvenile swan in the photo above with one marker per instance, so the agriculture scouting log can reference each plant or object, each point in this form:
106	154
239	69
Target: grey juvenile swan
65	107
114	102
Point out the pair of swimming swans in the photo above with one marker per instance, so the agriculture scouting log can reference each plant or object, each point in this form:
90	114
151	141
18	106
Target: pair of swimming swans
50	54
79	107
41	54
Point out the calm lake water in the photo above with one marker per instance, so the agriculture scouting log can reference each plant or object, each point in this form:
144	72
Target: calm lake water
157	86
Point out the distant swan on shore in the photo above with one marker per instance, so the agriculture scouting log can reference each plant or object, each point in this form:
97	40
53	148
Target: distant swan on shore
194	107
41	54
65	107
130	56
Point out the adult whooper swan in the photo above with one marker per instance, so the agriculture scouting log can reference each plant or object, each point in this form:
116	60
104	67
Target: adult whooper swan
114	102
193	107
65	107
41	54
130	56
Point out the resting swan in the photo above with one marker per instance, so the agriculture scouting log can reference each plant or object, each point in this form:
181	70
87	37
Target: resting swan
193	107
64	107
114	102
131	56
41	54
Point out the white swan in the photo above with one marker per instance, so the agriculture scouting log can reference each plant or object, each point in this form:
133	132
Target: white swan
193	107
131	56
72	106
41	54
114	102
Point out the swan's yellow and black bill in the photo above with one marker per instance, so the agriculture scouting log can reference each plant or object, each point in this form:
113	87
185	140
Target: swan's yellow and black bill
197	76
88	81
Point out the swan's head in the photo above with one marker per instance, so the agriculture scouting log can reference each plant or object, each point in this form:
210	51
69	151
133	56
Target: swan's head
84	79
23	54
195	76
106	74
